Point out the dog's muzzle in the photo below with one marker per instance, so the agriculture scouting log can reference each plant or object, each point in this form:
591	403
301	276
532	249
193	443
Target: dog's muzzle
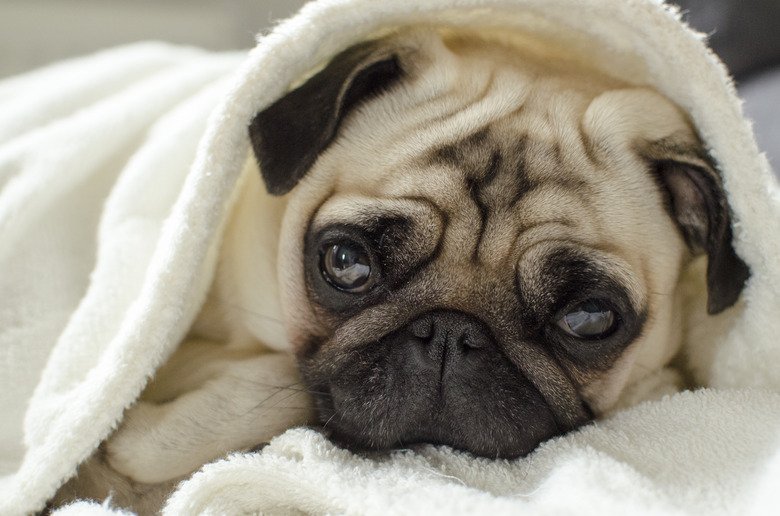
442	378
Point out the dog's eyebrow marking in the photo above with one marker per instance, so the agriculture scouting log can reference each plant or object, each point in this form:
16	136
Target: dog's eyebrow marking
471	156
500	167
460	152
483	161
475	188
522	181
436	252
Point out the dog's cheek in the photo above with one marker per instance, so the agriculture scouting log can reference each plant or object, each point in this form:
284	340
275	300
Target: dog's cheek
303	324
601	391
246	287
642	360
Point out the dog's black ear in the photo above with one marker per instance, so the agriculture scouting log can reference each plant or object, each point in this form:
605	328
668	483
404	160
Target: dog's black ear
289	135
644	121
697	202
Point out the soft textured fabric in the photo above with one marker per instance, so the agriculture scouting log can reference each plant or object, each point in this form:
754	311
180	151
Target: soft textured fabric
116	174
762	105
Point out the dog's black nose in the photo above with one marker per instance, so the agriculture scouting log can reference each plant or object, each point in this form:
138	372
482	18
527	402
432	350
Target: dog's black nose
442	378
443	339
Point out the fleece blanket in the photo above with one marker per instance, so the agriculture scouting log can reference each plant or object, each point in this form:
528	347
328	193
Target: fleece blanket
116	175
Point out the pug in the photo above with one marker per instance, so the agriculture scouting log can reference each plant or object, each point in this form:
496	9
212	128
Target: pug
474	242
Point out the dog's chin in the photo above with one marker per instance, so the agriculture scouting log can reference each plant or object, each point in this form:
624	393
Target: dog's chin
479	433
409	387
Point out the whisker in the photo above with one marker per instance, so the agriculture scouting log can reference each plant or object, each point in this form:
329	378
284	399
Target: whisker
276	403
280	388
329	420
306	409
645	368
662	294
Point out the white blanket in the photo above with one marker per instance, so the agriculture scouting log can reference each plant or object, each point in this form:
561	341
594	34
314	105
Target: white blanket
116	174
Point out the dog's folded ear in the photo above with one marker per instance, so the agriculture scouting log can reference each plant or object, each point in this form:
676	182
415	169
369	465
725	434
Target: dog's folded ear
644	122
697	203
289	135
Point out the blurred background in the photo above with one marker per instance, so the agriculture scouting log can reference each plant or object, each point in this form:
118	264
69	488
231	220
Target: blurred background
37	32
745	33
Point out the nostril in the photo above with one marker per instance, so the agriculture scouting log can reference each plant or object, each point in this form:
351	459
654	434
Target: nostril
454	330
422	328
473	340
464	344
443	341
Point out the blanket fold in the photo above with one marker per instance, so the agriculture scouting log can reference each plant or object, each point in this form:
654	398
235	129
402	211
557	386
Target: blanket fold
611	468
118	170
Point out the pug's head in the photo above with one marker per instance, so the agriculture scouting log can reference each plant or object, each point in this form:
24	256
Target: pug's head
482	245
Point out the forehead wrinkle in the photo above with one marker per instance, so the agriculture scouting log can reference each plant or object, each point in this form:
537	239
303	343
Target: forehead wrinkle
496	184
488	95
530	269
496	171
488	178
559	201
509	230
443	187
528	236
504	96
468	102
363	210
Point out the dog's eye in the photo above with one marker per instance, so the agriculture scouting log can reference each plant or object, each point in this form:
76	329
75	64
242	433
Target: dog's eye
347	267
591	319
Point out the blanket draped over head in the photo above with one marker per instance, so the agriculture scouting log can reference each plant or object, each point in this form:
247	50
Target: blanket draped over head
116	175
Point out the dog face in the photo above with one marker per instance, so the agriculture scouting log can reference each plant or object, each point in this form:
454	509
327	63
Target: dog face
482	245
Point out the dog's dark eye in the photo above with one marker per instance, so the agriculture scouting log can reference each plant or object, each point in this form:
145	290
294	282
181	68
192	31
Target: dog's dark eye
347	267
591	319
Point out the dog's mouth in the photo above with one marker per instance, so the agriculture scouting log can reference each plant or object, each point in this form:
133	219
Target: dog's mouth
441	379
